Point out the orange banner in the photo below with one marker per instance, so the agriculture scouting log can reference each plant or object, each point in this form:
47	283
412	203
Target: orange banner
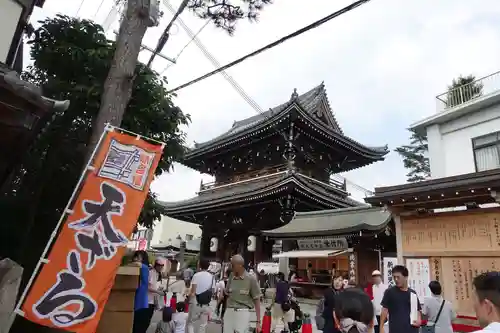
72	288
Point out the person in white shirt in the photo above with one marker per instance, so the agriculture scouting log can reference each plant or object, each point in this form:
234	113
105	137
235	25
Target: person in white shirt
180	318
486	299
177	288
378	290
200	295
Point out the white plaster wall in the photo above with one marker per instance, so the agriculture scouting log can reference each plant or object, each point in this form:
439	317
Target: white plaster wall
169	228
450	144
10	12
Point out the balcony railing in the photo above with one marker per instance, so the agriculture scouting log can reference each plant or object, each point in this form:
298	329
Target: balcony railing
468	92
266	173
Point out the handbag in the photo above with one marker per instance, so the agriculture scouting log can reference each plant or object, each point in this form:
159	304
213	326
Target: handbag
432	329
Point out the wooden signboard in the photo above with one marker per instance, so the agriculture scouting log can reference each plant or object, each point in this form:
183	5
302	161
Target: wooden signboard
452	234
456	275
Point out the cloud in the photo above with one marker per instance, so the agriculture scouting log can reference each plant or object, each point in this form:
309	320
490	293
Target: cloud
383	64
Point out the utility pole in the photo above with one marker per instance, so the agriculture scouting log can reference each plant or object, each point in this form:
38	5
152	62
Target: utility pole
139	15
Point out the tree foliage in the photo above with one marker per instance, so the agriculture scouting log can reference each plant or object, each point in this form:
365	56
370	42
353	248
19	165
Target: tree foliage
71	59
415	157
225	13
463	89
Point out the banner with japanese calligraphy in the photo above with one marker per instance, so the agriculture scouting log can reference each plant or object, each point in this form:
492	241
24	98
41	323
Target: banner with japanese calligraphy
74	285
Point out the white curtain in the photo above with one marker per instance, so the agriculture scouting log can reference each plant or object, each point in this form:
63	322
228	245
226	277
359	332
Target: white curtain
487	158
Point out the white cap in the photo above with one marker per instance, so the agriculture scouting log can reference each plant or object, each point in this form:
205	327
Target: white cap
376	273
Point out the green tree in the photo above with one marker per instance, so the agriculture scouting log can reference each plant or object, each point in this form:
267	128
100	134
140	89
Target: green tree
225	14
414	157
463	89
71	59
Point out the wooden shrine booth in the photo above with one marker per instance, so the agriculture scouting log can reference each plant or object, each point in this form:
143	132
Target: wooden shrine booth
351	241
448	230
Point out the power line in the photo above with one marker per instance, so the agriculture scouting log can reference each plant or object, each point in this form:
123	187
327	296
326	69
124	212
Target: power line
166	33
275	43
240	90
98	9
79	7
185	46
216	63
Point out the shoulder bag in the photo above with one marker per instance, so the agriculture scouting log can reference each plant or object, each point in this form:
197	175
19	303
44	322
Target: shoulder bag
432	329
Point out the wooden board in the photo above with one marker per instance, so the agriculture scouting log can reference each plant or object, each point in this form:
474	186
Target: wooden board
458	232
456	275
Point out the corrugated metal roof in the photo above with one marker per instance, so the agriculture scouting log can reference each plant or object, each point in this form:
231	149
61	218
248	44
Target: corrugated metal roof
331	222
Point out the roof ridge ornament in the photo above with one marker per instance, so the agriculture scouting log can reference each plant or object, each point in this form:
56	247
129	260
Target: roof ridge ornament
295	95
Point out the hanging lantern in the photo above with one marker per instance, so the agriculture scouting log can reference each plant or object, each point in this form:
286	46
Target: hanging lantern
251	243
214	244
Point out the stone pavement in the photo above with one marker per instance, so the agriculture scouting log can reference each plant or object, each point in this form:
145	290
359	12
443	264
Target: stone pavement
305	306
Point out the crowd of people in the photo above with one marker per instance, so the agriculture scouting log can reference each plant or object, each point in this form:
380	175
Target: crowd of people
344	308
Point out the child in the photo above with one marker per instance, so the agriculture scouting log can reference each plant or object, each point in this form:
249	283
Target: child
354	311
180	318
166	325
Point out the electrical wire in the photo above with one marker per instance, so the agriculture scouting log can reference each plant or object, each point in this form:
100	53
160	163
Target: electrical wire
176	58
98	9
112	15
275	43
165	35
242	92
79	8
215	62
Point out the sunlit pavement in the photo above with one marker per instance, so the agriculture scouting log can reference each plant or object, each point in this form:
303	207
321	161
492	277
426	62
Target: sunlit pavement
308	307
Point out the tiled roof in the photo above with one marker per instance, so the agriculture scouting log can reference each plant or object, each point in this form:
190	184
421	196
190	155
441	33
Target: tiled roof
247	189
333	222
310	101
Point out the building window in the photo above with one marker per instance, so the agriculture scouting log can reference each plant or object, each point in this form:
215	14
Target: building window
189	237
487	151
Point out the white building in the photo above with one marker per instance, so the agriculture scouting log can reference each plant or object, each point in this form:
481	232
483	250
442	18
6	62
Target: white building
14	15
464	134
169	229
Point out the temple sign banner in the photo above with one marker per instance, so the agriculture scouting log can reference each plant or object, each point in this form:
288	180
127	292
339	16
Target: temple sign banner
76	278
419	276
389	263
478	231
460	272
327	243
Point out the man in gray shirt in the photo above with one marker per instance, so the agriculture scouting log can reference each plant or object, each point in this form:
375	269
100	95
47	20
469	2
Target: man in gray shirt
435	306
243	294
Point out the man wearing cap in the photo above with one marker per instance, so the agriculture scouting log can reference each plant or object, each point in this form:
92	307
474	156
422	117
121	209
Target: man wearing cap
376	292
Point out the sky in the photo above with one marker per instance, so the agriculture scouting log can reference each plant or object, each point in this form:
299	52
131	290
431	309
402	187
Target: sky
383	65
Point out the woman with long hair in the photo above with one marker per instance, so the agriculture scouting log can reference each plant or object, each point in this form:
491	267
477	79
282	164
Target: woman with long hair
354	312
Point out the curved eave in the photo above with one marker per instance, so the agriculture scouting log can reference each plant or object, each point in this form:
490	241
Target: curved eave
373	153
227	140
289	184
333	222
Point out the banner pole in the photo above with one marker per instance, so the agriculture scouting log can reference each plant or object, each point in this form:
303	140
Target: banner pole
67	210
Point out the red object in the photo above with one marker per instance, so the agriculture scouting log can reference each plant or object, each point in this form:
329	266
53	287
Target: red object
266	322
307	325
173	303
462	328
369	291
186	306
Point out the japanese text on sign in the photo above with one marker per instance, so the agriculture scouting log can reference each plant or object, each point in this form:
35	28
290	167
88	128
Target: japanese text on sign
73	286
322	244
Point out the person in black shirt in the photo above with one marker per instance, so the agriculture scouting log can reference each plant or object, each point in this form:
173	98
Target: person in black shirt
329	304
396	304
